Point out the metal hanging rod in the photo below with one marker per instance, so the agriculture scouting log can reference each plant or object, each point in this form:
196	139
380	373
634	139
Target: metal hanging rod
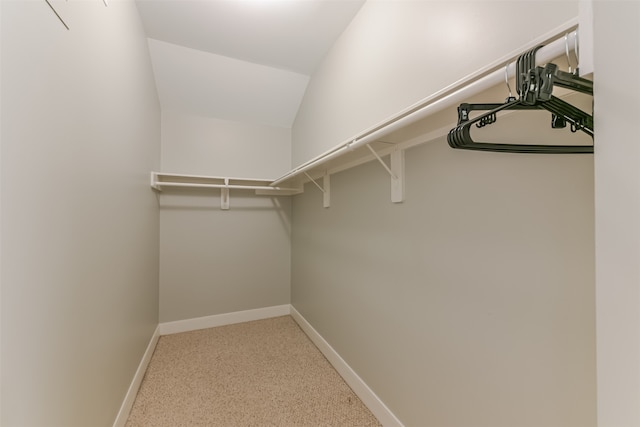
230	186
160	180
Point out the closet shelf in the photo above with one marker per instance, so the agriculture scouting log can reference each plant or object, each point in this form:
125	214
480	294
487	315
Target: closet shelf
355	150
388	138
161	181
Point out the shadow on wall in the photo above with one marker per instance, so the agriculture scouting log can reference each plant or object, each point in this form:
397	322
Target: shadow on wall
196	199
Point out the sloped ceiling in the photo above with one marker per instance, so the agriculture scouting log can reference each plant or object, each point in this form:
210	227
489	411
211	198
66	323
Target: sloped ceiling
242	60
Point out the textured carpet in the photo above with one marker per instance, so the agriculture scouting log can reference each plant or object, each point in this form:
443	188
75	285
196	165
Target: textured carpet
262	373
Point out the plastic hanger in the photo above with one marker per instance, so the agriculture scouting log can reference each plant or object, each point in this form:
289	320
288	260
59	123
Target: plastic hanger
534	86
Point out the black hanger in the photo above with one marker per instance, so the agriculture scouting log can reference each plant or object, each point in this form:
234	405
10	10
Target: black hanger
534	86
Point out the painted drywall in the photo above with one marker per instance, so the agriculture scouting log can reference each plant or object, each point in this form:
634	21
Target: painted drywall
80	133
0	216
202	145
617	196
471	303
214	261
396	53
218	85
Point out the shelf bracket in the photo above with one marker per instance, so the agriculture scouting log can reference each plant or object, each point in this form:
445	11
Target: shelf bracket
154	182
325	188
396	171
315	182
224	196
384	165
326	197
397	176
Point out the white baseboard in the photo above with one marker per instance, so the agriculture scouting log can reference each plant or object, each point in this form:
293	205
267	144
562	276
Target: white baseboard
177	326
130	397
360	388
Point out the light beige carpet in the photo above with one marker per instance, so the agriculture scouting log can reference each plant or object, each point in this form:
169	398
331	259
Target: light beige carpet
262	373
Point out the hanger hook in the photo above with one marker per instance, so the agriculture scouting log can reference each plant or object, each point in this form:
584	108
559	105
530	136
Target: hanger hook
506	80
577	50
566	49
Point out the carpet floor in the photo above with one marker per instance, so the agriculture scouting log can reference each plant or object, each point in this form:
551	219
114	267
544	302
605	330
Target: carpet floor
261	373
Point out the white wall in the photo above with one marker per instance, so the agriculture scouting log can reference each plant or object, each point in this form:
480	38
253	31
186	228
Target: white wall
80	133
1	216
211	146
396	53
214	261
617	196
471	303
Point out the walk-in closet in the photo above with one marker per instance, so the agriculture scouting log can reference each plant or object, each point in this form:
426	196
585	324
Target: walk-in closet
402	213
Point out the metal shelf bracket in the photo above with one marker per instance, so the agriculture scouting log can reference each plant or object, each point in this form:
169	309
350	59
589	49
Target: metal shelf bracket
224	196
397	176
396	171
325	188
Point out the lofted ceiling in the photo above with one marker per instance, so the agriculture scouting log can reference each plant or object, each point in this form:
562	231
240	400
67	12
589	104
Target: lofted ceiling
240	60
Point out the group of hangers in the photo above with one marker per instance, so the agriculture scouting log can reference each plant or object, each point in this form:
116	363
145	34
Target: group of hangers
534	86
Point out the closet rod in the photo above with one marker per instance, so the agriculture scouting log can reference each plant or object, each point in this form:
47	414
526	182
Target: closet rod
231	186
459	92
